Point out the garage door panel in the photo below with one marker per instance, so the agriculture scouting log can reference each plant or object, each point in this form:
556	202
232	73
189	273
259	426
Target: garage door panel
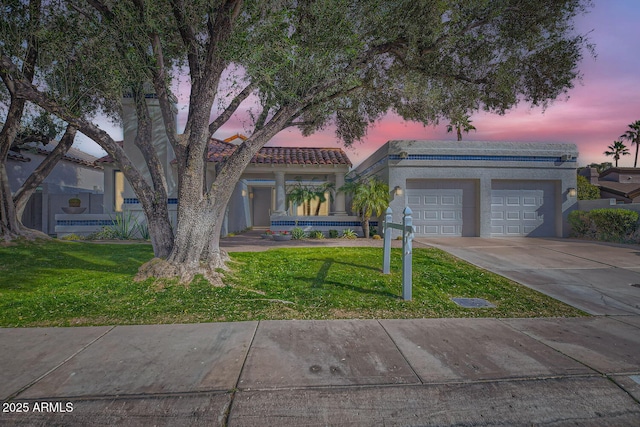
528	209
439	211
431	200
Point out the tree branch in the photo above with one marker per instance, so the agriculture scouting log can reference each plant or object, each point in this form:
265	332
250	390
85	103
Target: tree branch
21	197
231	108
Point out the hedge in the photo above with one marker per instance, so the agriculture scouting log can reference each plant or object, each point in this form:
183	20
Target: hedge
617	225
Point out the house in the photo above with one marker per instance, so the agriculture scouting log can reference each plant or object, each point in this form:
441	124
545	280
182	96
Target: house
259	199
622	184
454	188
75	175
471	188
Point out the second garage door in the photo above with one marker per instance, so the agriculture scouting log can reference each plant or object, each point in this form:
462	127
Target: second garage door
523	208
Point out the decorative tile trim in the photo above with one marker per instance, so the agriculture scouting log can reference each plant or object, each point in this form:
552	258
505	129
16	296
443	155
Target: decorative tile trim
135	201
482	158
85	222
311	223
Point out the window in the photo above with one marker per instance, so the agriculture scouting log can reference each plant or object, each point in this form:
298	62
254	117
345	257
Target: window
118	190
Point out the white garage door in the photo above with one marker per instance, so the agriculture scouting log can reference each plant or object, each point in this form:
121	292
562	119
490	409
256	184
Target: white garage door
436	212
524	208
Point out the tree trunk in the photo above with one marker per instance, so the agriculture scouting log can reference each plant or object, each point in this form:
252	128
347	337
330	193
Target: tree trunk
635	162
365	227
22	196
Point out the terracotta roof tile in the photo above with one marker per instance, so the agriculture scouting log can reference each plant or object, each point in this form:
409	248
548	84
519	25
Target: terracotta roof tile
220	150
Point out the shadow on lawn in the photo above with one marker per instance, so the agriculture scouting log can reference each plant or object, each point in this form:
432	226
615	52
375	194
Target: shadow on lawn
48	263
323	272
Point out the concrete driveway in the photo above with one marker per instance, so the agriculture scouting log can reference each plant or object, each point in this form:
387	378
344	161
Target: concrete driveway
599	278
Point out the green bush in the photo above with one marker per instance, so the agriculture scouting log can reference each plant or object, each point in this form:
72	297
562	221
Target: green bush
587	191
298	233
581	224
349	234
618	225
614	224
333	234
316	234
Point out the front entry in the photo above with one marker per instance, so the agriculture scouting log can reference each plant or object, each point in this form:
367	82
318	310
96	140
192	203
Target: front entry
261	207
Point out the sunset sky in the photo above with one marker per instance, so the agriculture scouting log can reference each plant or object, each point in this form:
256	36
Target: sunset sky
597	111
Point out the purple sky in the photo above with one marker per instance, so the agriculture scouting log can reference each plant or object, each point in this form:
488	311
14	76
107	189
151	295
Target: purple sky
597	111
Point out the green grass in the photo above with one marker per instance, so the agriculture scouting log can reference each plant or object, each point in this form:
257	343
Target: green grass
67	283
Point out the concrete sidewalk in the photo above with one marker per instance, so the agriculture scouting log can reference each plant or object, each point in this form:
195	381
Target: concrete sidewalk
580	371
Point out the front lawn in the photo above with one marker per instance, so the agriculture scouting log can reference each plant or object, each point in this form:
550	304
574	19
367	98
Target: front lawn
66	283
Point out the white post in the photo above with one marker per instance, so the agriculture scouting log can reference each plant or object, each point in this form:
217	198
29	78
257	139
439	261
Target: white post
386	251
407	253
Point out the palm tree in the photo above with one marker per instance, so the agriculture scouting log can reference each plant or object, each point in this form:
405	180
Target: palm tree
301	195
633	136
460	122
320	193
616	150
370	198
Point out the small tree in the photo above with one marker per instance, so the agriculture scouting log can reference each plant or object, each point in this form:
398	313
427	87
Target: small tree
586	190
633	136
370	198
616	150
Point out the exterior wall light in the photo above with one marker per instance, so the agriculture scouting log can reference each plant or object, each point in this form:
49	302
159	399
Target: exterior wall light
573	192
398	191
244	193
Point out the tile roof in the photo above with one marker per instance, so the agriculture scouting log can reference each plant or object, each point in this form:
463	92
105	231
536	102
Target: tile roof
108	158
73	155
220	150
629	190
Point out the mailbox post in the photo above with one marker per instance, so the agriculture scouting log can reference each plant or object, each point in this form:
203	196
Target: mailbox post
407	249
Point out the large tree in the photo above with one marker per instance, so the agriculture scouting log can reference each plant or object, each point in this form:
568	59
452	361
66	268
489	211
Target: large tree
304	64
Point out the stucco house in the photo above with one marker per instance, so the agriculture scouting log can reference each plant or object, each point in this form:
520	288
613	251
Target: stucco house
75	175
471	188
454	188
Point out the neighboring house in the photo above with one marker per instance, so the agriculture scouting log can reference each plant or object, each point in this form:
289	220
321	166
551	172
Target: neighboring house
622	184
76	174
472	188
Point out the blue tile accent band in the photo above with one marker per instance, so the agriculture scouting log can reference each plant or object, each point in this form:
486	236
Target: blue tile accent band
305	223
481	158
85	222
135	201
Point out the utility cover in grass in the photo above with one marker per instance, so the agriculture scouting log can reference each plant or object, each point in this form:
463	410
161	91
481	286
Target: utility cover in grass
473	302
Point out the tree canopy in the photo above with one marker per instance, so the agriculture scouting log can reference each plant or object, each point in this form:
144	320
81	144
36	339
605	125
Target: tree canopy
304	64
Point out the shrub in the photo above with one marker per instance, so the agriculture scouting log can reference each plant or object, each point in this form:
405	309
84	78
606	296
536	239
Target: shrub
376	237
316	234
71	236
74	202
349	234
587	191
333	234
298	233
581	225
614	224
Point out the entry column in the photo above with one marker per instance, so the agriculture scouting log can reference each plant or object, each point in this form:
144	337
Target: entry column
280	194
339	209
